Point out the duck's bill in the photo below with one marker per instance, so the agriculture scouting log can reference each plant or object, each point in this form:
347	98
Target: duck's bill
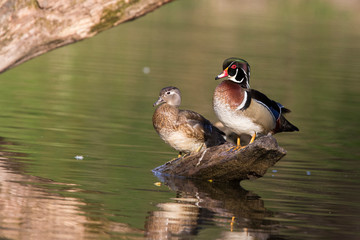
222	75
159	101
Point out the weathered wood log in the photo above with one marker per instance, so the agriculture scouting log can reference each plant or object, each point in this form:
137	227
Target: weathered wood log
29	28
219	164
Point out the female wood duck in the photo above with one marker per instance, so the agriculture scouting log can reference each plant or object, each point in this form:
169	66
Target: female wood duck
184	130
244	110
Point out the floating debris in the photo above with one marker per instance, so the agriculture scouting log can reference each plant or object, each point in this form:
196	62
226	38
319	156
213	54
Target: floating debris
79	157
146	70
157	184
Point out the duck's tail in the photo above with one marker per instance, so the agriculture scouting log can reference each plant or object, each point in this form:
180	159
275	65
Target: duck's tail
283	125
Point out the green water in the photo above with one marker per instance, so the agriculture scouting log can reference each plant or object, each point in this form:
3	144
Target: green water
93	99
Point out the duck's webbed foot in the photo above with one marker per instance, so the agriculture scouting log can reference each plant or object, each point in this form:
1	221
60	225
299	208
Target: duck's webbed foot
238	145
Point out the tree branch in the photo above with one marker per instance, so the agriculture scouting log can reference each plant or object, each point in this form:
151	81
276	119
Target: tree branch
29	28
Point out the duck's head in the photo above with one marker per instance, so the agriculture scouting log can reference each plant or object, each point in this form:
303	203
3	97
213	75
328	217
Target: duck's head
237	70
169	95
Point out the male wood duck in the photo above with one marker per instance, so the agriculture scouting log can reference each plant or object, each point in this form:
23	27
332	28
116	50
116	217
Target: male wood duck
184	130
244	110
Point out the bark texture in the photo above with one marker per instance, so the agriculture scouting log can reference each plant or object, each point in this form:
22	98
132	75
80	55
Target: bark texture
219	164
29	28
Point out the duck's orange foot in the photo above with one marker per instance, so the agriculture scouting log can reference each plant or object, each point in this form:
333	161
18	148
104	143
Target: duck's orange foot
235	148
238	145
252	138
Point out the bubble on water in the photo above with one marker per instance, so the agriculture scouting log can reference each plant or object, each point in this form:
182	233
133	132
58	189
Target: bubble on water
79	157
146	70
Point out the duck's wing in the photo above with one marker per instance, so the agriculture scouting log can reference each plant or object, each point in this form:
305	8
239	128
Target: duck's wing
277	110
274	107
193	121
199	125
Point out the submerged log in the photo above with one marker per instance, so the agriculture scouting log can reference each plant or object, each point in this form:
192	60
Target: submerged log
219	164
29	28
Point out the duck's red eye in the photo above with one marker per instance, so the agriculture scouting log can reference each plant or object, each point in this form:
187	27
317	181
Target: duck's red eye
233	66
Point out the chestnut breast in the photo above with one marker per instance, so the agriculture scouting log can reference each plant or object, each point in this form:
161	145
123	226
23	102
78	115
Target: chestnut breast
230	93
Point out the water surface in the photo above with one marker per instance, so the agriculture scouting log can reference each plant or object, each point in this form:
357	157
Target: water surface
94	99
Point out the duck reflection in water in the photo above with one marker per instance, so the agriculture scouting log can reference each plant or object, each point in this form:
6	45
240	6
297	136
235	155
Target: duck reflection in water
239	213
177	218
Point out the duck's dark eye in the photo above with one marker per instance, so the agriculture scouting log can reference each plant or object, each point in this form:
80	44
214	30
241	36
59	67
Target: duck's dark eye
233	66
167	93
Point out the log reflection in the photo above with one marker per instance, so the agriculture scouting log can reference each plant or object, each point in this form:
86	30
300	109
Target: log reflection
30	211
238	212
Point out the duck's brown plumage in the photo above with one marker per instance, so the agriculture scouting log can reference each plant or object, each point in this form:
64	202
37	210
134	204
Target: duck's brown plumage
184	130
